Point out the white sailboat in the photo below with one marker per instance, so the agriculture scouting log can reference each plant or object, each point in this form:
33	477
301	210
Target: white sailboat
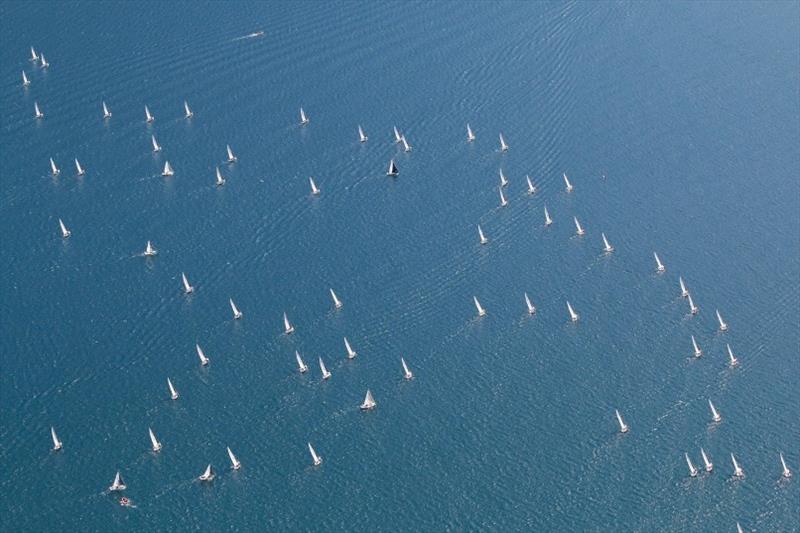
57	444
147	116
407	374
623	427
404	142
470	134
316	459
301	366
337	303
578	229
231	157
37	113
167	170
503	179
531	186
393	171
34	56
118	483
481	310
786	472
156	146
659	265
547	219
235	310
351	353
44	63
172	392
503	201
397	136
361	136
697	351
529	304
692	308
187	113
692	469
684	290
288	328
567	184
65	233
303	118
106	112
235	464
708	464
154	441
715	416
572	314
201	354
207	475
503	145
732	358
606	245
369	402
314	188
722	325
79	168
482	237
737	470
739	528
220	180
25	80
187	288
325	373
149	251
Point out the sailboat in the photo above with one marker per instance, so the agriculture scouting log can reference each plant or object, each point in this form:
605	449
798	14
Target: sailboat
503	179
236	313
397	136
659	265
739	528
503	201
606	245
187	288
572	314
208	474
786	472
44	62
567	183
692	308
481	310
684	290
337	303
79	168
34	56
106	112
156	146
25	80
547	219
187	112
503	145
529	304
172	392
57	444
203	359
235	464
697	351
351	353
737	470
369	402
715	416
733	360
314	188
37	113
231	158
692	469
303	118
167	170
531	186
470	134
578	229
722	325
404	142
393	171
317	460
154	441
325	373
220	180
148	117
482	237
708	464
288	328
64	231
407	374
301	366
149	251
118	483
361	137
623	427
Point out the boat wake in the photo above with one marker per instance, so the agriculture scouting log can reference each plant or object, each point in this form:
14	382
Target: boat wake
249	36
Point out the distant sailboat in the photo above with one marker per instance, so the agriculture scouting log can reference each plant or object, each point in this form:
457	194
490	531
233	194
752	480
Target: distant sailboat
314	188
503	179
325	373
187	288
361	136
369	402
481	310
739	528
482	237
316	459
531	186
393	171
529	304
231	157
547	219
733	360
106	112
337	303
203	359
34	56
167	170
737	470
722	325
692	469
397	136
606	245
503	145
572	314
154	441
684	290
407	374
470	134
303	118
692	308
567	184
208	474
288	328
147	116
404	142
623	427
503	201
659	265
65	233
715	416
351	353
156	146
57	444
236	313
235	464
172	392
786	472
44	63
118	483
187	113
578	229
708	464
301	366
697	351
79	168
37	113
25	80
220	181
149	251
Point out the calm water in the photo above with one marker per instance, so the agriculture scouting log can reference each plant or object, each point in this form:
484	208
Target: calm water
690	111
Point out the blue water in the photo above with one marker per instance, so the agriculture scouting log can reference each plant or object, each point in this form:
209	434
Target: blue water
678	124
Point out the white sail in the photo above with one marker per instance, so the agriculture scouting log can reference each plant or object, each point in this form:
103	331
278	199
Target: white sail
36	111
220	180
722	325
201	354
737	470
708	464
208	474
187	112
503	145
337	303
481	310
44	62
351	353
547	219
118	484
167	170
578	229
393	171
739	528
57	444
715	416
567	184
697	351
659	265
692	308
404	142
231	157
623	427
236	313
503	201
397	136
235	464
301	366
531	186
361	137
64	231
303	117
148	117
25	80
149	250
786	472
692	469
529	304
482	237
187	288
369	402
503	179
325	373
154	441
287	326
314	188
79	168
172	392
732	358
316	459
606	245
34	56
106	112
407	374
156	146
470	134
572	314
684	290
